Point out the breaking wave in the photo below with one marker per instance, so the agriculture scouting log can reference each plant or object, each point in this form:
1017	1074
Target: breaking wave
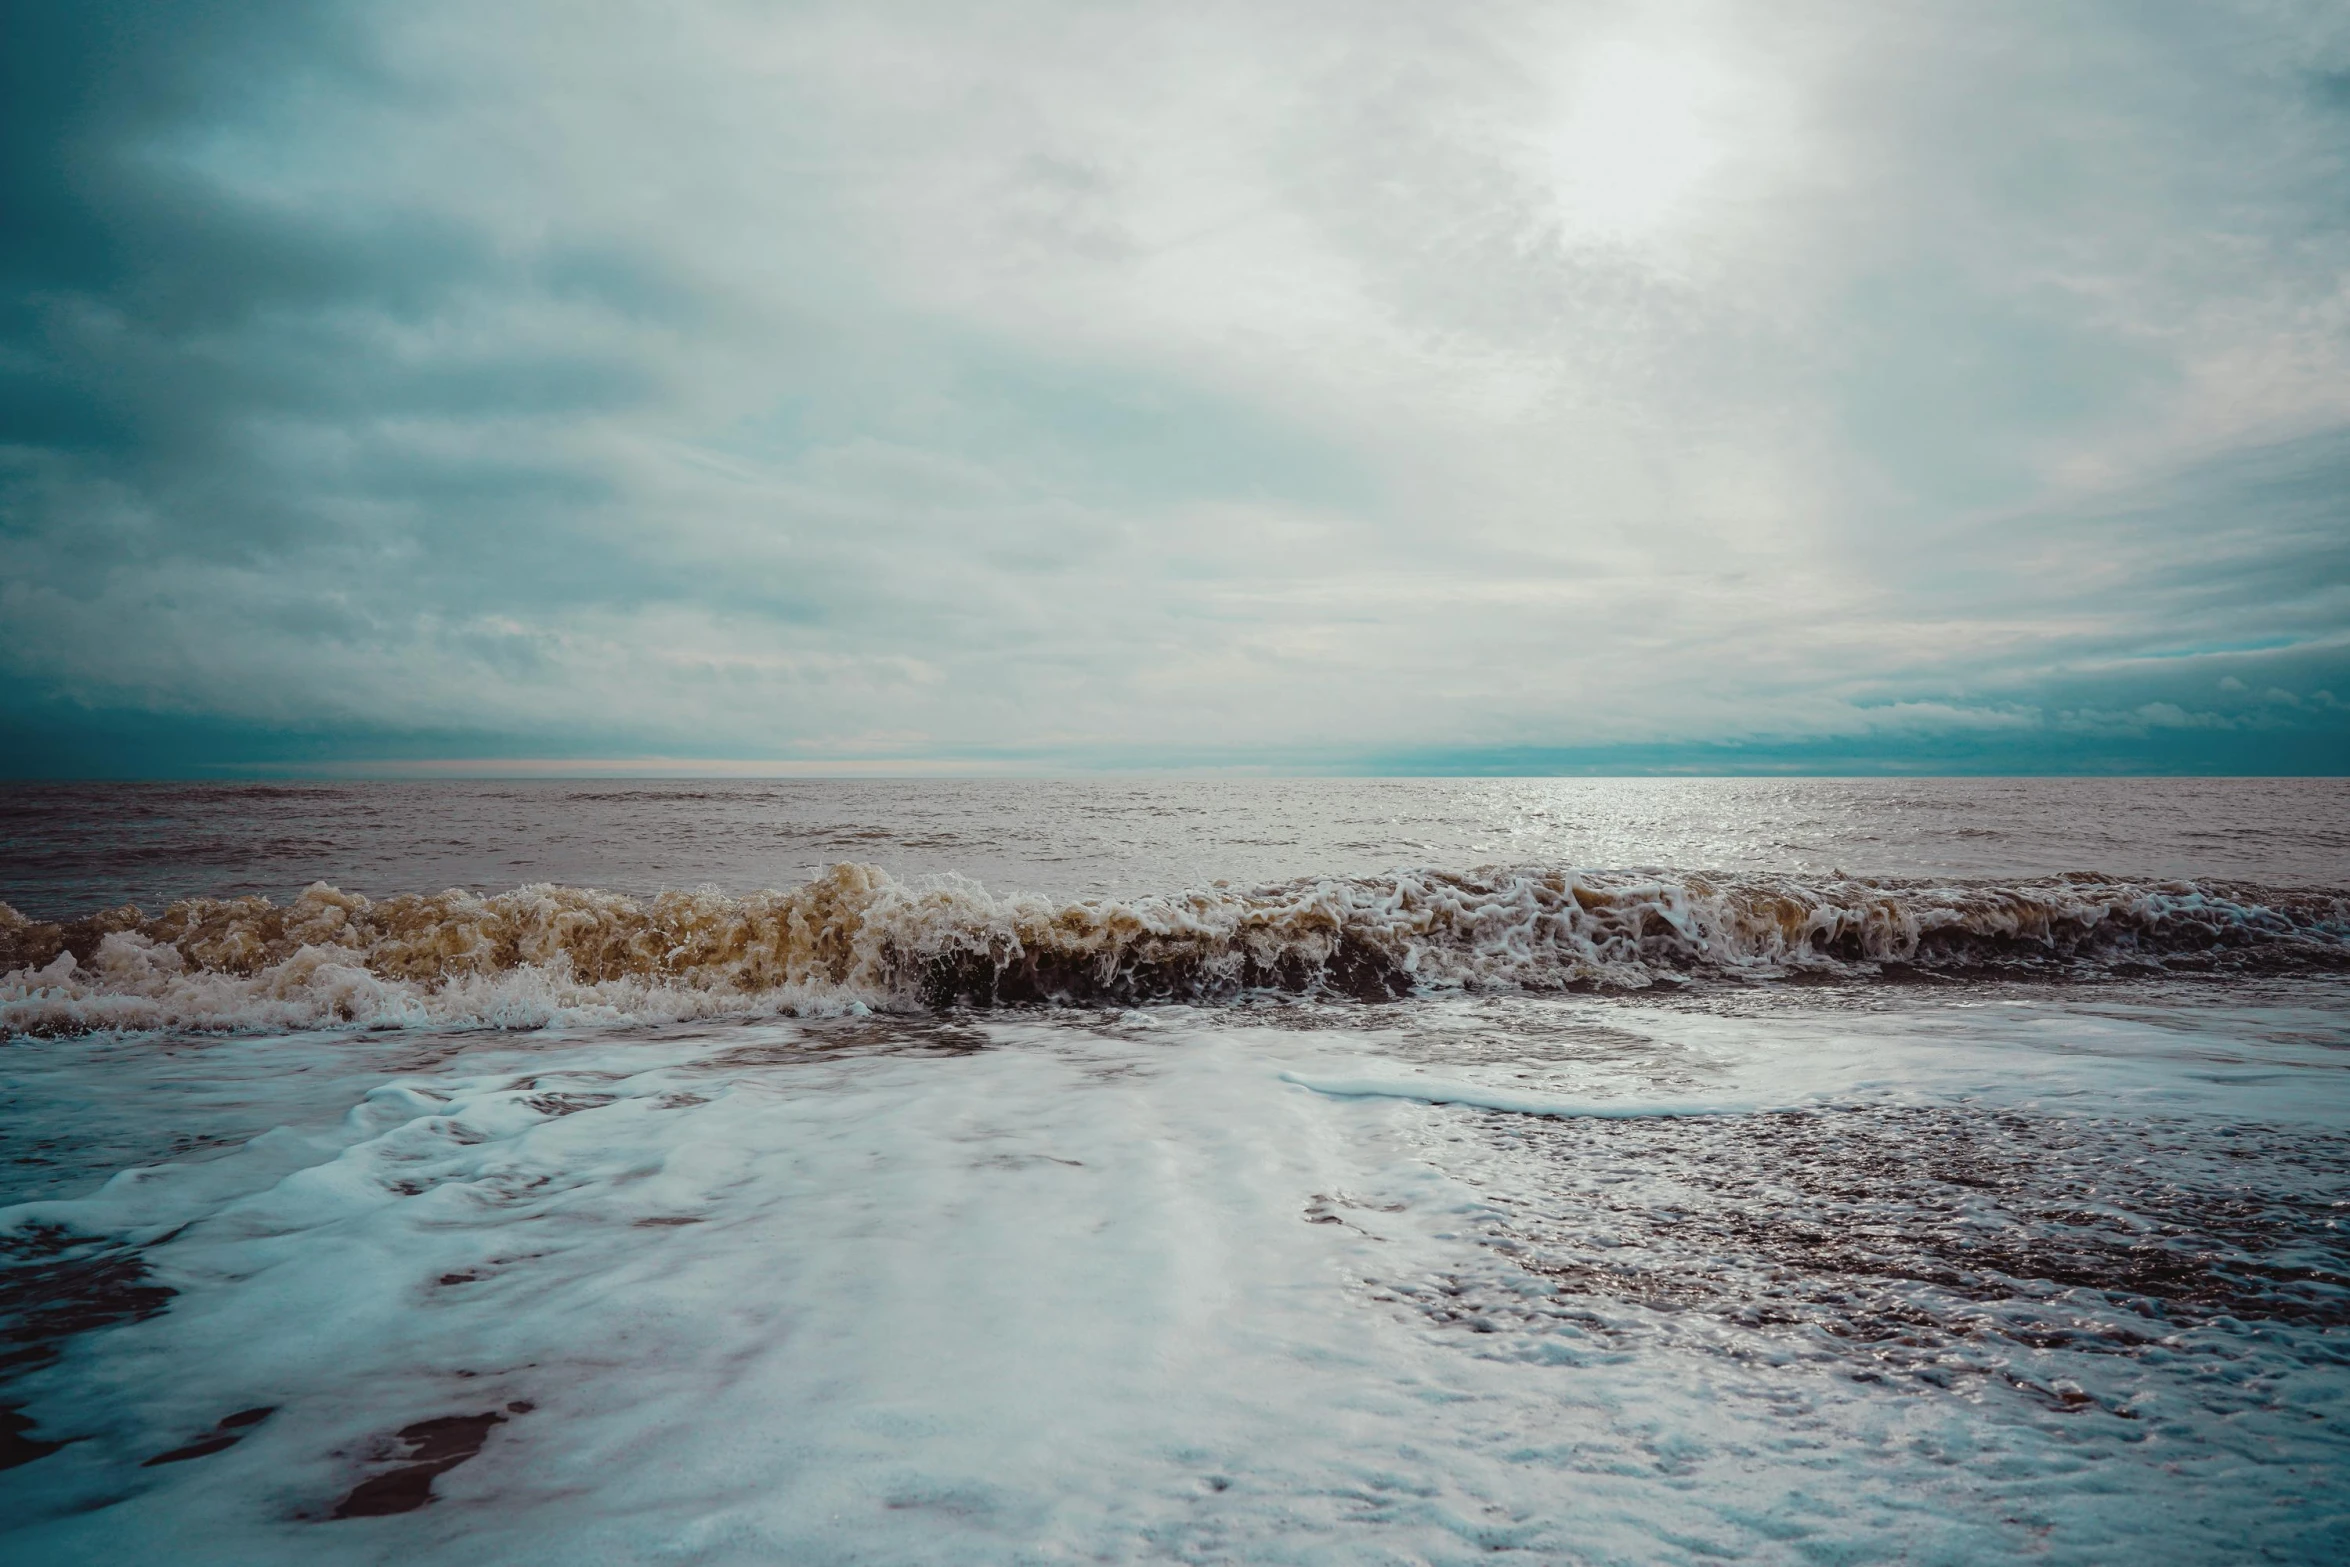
857	938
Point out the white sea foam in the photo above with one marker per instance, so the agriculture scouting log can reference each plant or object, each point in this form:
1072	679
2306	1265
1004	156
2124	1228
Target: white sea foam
1082	1296
1435	1091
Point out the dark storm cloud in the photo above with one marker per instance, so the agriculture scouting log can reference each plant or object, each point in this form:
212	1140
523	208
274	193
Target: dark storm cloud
153	317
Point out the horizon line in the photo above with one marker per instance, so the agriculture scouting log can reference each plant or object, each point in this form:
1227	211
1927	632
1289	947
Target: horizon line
658	768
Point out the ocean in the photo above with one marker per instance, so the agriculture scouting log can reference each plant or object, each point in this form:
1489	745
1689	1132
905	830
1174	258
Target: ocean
973	1171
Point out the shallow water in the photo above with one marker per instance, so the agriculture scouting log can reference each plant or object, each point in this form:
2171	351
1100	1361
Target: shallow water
1839	1262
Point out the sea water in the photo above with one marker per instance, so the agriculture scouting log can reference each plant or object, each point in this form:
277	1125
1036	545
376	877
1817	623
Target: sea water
1599	1171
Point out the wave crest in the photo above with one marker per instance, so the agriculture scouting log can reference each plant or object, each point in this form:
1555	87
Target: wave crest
857	937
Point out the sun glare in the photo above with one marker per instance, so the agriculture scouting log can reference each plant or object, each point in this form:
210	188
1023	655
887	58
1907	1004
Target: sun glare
1635	139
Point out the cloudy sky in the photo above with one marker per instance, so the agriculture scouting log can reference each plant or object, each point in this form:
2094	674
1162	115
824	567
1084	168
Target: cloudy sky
1311	385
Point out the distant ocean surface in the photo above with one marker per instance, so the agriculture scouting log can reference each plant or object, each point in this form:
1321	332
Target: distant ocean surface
72	848
1291	1171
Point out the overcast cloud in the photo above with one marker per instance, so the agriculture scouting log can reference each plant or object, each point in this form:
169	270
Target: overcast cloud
1311	385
